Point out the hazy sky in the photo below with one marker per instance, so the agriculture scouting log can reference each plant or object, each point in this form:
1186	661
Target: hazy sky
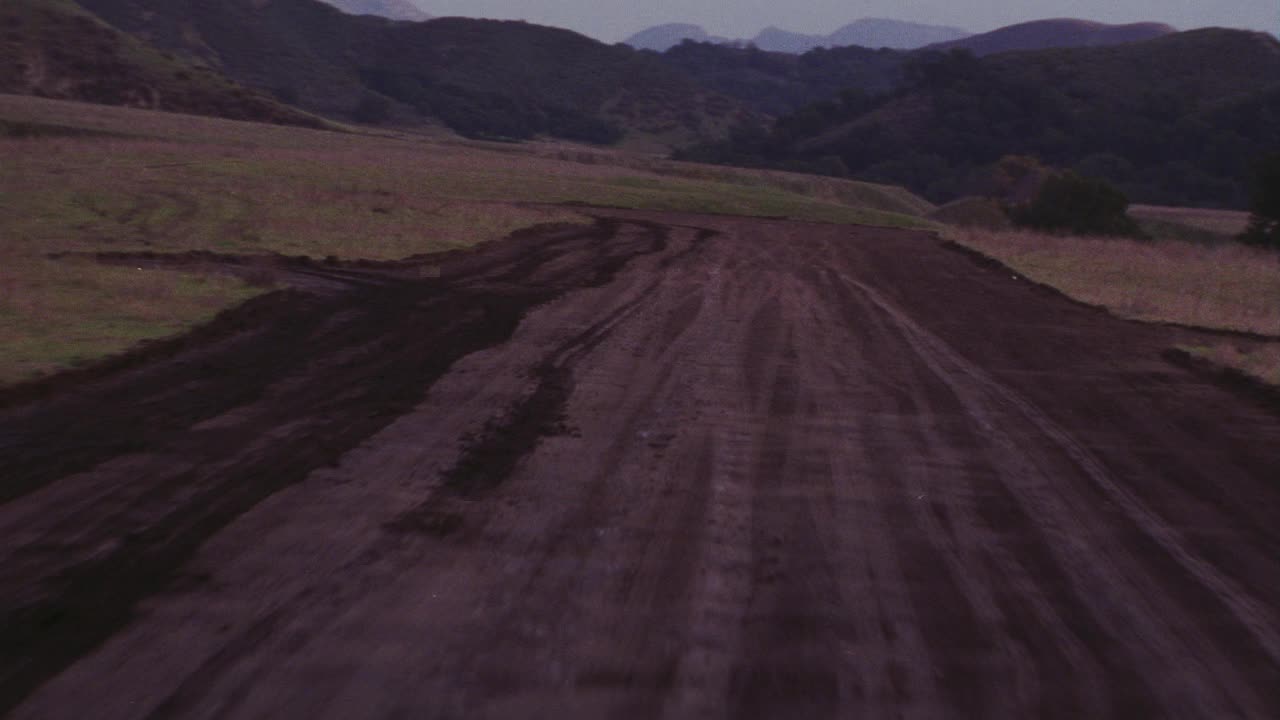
613	20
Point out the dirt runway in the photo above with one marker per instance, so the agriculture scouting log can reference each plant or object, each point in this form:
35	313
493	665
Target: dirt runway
662	466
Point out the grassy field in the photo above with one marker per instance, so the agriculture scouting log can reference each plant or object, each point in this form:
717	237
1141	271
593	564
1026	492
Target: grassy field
83	177
1190	224
1223	286
62	314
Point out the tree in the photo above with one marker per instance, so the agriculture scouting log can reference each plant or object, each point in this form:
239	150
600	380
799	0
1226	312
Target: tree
1068	202
372	110
1264	224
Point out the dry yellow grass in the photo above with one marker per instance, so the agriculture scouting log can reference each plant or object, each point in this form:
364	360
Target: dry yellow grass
1223	286
1227	223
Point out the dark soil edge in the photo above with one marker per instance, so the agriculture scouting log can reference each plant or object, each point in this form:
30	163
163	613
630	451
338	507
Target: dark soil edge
1238	382
226	323
95	599
982	259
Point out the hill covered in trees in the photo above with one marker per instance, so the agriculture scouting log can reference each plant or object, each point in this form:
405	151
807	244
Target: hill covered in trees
1058	33
54	48
1173	120
481	78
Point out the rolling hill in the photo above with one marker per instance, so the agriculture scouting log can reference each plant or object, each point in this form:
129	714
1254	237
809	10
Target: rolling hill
1057	33
661	38
481	78
54	48
390	9
1173	120
867	32
779	83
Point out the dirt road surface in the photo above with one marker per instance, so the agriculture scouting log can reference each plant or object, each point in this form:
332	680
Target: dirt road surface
662	466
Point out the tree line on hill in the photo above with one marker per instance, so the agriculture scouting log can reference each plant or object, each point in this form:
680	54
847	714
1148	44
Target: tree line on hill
481	78
1176	120
1172	120
1264	223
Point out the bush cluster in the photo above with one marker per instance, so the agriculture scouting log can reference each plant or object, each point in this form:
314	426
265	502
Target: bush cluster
1264	224
1070	203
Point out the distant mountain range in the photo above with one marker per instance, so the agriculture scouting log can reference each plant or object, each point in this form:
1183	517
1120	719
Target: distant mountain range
391	9
661	38
1060	33
868	32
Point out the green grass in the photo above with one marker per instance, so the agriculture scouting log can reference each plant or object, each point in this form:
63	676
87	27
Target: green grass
117	179
59	314
55	48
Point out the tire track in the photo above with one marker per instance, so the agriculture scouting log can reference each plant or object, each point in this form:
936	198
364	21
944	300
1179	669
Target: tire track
948	365
666	466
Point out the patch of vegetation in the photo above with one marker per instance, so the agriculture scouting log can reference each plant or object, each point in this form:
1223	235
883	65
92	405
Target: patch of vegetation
1264	223
53	48
59	314
1069	203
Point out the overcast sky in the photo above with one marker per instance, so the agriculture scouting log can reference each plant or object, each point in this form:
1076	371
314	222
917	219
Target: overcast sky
613	20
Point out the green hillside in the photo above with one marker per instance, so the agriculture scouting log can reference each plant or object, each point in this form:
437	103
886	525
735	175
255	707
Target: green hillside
53	48
1173	121
481	78
778	83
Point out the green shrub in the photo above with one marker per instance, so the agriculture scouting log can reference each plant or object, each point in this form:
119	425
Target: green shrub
1264	224
1070	203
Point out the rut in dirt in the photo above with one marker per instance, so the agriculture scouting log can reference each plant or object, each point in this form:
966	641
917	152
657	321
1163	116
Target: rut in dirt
669	465
332	366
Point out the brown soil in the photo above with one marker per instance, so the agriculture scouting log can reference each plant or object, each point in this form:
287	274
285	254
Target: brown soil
664	466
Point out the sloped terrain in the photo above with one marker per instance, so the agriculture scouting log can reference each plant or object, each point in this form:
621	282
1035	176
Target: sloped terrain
53	48
1176	120
1059	33
481	78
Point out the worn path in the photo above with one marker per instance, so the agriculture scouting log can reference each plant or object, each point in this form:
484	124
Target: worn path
665	466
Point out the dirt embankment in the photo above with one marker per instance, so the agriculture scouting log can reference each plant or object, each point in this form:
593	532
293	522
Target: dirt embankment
665	466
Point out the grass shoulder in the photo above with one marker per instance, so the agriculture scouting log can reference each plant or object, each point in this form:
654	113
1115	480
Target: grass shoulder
1220	286
77	177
